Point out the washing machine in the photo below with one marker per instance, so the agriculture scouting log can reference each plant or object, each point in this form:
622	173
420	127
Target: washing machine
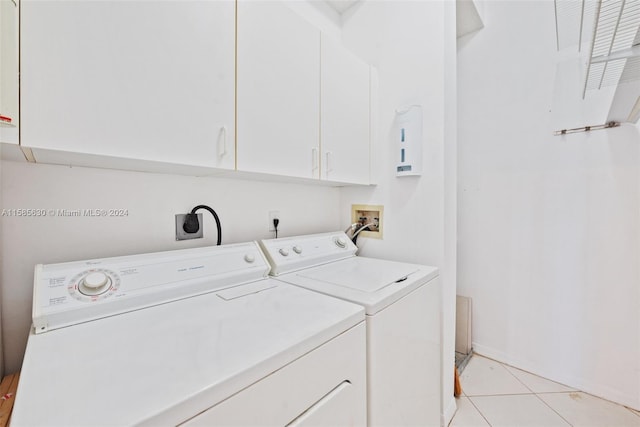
403	316
189	337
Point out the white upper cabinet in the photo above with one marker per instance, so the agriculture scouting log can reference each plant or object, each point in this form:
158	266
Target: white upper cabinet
8	71
147	80
345	115
303	104
278	91
153	85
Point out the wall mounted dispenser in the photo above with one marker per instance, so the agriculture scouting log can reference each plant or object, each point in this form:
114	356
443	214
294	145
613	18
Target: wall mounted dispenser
409	137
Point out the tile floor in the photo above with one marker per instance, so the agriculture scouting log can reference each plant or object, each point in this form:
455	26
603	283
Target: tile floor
498	395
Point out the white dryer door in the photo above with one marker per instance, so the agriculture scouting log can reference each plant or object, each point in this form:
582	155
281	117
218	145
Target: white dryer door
325	387
334	409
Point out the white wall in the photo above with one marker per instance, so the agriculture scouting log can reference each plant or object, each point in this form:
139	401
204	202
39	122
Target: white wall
406	41
549	226
411	43
152	200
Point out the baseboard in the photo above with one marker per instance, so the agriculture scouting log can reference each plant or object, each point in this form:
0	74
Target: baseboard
595	389
449	412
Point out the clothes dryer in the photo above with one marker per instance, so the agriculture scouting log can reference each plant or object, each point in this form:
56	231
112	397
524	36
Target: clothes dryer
194	337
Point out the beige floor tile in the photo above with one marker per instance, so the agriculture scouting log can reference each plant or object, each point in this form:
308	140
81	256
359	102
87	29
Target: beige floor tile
467	415
538	384
517	410
485	377
634	411
582	409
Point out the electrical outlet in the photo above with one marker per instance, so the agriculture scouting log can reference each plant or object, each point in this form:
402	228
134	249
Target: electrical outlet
272	216
368	214
183	235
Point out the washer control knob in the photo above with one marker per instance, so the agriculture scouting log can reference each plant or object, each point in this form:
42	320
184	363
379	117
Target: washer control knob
249	258
297	249
95	280
284	252
341	242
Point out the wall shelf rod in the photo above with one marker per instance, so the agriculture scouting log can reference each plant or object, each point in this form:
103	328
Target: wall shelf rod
587	128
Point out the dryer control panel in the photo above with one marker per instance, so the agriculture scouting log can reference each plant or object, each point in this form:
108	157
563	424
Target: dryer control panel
295	253
75	292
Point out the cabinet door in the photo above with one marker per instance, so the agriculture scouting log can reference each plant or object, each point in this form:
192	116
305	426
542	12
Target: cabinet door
345	109
151	80
8	71
278	91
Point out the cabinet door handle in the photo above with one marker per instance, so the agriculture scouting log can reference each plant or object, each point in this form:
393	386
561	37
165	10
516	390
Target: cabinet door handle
314	160
328	166
223	134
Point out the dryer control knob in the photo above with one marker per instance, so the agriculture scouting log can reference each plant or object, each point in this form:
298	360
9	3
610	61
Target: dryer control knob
249	258
95	280
284	252
341	242
94	283
297	249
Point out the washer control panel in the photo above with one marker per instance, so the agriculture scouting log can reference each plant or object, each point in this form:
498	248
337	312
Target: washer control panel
75	292
295	253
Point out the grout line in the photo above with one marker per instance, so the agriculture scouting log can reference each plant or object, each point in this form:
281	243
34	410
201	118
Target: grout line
559	392
479	411
633	411
596	397
536	395
503	367
507	366
503	394
514	376
550	407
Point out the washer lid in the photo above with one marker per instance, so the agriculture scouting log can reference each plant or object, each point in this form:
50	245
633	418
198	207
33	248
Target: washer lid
366	274
370	282
164	364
